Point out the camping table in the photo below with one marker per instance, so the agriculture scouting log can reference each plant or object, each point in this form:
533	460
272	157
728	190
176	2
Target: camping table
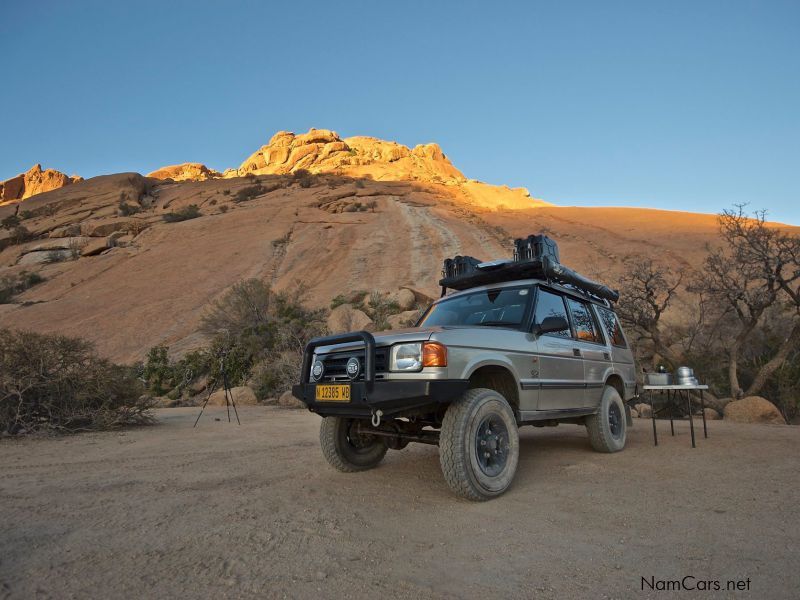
675	394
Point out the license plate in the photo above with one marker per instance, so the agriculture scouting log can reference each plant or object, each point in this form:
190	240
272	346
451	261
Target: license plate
333	393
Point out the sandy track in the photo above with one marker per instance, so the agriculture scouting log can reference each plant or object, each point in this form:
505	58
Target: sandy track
253	511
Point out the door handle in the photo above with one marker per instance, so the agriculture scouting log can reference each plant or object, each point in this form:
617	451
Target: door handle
576	351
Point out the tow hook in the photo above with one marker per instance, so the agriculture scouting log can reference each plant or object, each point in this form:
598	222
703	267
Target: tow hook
376	417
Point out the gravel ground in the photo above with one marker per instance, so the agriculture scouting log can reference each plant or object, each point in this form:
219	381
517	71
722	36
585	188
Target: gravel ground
254	511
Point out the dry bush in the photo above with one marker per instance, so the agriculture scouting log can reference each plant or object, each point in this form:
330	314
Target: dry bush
10	286
184	214
253	325
53	383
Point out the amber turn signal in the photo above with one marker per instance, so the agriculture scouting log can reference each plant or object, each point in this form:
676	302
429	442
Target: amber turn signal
434	354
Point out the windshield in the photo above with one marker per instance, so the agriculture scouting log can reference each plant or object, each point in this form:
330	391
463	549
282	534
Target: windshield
504	307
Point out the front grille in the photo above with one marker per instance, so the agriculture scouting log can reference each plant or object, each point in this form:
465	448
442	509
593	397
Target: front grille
336	364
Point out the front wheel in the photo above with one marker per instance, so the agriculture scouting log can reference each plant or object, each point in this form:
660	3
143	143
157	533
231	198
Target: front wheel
346	449
608	427
479	445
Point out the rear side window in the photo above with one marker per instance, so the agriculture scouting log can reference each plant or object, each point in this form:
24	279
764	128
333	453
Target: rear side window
551	305
612	327
586	329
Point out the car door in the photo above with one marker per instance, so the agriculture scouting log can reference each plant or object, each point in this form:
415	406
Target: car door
561	375
621	354
590	345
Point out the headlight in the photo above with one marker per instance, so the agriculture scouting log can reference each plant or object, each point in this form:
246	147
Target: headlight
406	357
412	357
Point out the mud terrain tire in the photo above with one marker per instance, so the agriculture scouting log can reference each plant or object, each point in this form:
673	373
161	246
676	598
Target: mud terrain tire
479	445
608	428
349	453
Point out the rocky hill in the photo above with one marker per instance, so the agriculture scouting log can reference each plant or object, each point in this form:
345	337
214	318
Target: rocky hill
32	182
132	261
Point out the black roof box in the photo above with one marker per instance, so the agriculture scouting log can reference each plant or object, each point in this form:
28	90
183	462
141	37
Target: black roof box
535	257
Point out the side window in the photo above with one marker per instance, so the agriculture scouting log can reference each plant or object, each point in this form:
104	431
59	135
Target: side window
550	305
612	327
586	328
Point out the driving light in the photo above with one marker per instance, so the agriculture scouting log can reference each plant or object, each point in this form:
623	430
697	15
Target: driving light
317	369
406	357
434	354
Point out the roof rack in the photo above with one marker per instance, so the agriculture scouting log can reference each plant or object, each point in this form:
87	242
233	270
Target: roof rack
535	257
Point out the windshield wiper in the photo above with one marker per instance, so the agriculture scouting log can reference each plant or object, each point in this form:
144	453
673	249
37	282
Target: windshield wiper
498	323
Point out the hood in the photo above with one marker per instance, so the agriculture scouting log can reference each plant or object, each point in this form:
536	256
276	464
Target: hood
387	338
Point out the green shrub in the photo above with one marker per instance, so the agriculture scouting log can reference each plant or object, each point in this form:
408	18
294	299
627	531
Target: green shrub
248	193
10	286
380	308
55	256
184	214
126	210
163	376
303	177
157	370
282	241
338	301
20	235
252	325
10	222
53	383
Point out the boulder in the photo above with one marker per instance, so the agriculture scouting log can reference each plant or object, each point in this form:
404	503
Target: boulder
712	415
65	231
316	136
65	243
119	238
301	152
644	410
332	148
12	189
94	247
324	151
429	151
199	385
44	256
420	298
185	172
105	227
286	400
346	318
242	396
403	319
405	298
753	409
35	181
717	404
163	402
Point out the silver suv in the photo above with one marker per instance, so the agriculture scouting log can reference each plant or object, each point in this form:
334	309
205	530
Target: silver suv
479	363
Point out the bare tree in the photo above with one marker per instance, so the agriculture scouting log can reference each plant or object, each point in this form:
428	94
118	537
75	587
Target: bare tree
757	268
647	290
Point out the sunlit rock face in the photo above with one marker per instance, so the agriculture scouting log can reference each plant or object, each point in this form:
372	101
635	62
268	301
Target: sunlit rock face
34	181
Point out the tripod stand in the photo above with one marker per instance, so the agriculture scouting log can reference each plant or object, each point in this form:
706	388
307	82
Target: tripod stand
228	395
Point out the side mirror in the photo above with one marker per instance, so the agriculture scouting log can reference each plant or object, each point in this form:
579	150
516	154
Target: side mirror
551	325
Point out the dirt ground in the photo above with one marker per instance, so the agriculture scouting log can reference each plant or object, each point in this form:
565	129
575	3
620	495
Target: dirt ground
254	512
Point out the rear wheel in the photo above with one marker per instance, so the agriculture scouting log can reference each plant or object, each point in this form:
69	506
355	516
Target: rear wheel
479	445
608	428
346	449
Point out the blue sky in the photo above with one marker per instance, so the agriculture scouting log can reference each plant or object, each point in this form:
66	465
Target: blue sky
678	105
